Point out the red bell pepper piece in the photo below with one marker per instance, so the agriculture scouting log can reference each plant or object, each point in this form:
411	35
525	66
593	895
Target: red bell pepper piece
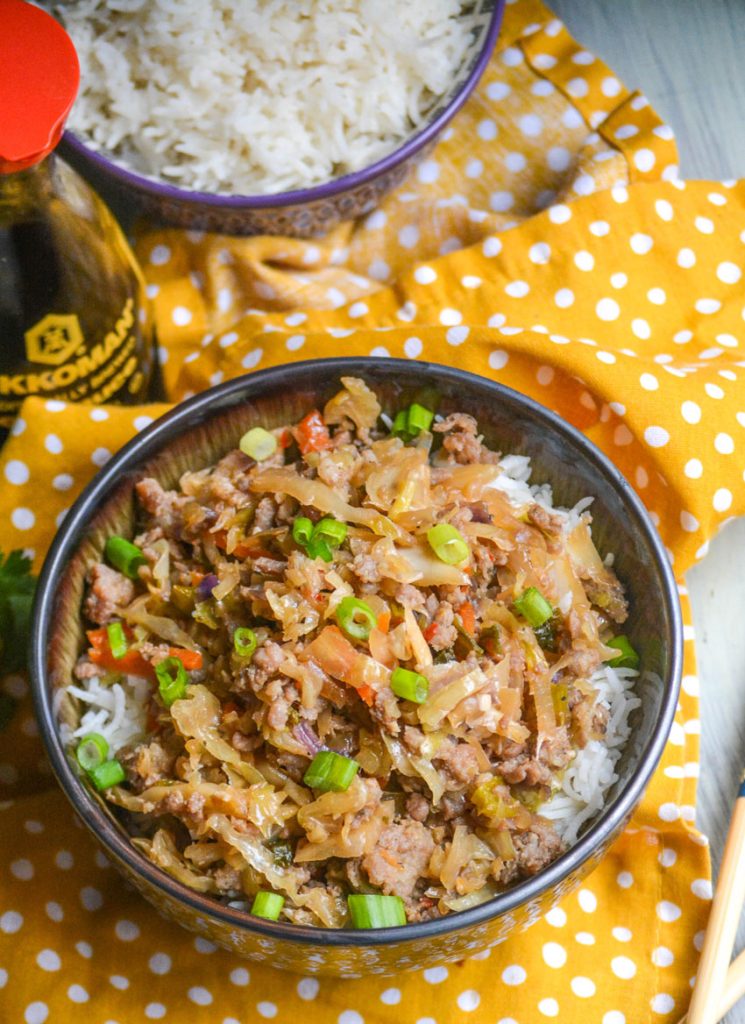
312	433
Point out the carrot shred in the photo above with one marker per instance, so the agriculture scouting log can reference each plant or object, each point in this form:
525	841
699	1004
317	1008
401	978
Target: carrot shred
430	632
468	617
384	621
367	694
132	663
389	858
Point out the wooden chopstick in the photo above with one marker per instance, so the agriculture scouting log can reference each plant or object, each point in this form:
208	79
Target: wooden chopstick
734	988
725	914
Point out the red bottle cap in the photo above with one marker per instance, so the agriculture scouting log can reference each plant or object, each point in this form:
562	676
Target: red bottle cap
39	78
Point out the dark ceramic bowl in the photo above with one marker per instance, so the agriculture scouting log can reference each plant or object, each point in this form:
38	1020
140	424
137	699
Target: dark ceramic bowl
200	431
303	213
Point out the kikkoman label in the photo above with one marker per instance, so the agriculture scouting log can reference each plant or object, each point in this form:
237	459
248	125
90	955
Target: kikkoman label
53	339
71	369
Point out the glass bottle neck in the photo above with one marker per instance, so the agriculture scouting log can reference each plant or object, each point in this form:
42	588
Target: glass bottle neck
24	191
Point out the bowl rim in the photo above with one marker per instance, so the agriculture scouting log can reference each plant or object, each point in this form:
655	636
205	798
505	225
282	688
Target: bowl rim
106	164
152	440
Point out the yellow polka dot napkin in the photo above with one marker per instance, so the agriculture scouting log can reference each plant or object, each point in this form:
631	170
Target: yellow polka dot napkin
547	243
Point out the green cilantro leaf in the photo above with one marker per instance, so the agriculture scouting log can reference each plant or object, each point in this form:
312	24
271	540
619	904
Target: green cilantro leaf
17	587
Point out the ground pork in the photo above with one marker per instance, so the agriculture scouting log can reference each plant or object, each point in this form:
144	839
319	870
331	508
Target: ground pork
537	848
265	664
365	567
147	763
154	653
85	669
453	805
228	482
386	710
554	754
265	514
190	809
227	879
269	566
400	858
337	467
459	760
442	632
607	594
589	721
410	596
109	591
462	441
167	507
417	807
281	696
549	523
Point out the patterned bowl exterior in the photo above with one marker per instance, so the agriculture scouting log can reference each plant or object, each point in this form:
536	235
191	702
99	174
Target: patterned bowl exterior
304	213
197	433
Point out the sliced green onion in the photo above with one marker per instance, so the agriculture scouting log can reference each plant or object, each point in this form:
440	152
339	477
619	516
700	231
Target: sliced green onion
355	617
419	418
409	685
91	751
534	607
448	543
318	548
410	422
124	556
117	639
371	910
267	905
330	772
258	444
108	774
302	530
400	426
172	680
332	531
245	642
627	656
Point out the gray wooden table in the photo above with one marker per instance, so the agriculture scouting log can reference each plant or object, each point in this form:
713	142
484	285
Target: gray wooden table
687	56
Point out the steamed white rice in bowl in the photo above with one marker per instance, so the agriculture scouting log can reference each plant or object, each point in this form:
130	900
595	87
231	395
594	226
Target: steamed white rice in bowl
263	96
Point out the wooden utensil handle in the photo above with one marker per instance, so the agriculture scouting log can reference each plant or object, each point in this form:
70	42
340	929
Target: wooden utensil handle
723	920
734	988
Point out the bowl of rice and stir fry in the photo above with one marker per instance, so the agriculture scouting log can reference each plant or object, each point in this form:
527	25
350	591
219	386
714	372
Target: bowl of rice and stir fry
356	667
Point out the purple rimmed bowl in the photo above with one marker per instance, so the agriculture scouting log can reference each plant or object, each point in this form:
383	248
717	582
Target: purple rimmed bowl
201	430
303	213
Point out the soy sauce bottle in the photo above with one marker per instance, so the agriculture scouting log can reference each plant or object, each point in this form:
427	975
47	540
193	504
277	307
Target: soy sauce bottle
74	319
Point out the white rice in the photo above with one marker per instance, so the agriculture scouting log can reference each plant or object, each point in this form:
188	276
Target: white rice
591	774
258	96
586	781
118	712
513	479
